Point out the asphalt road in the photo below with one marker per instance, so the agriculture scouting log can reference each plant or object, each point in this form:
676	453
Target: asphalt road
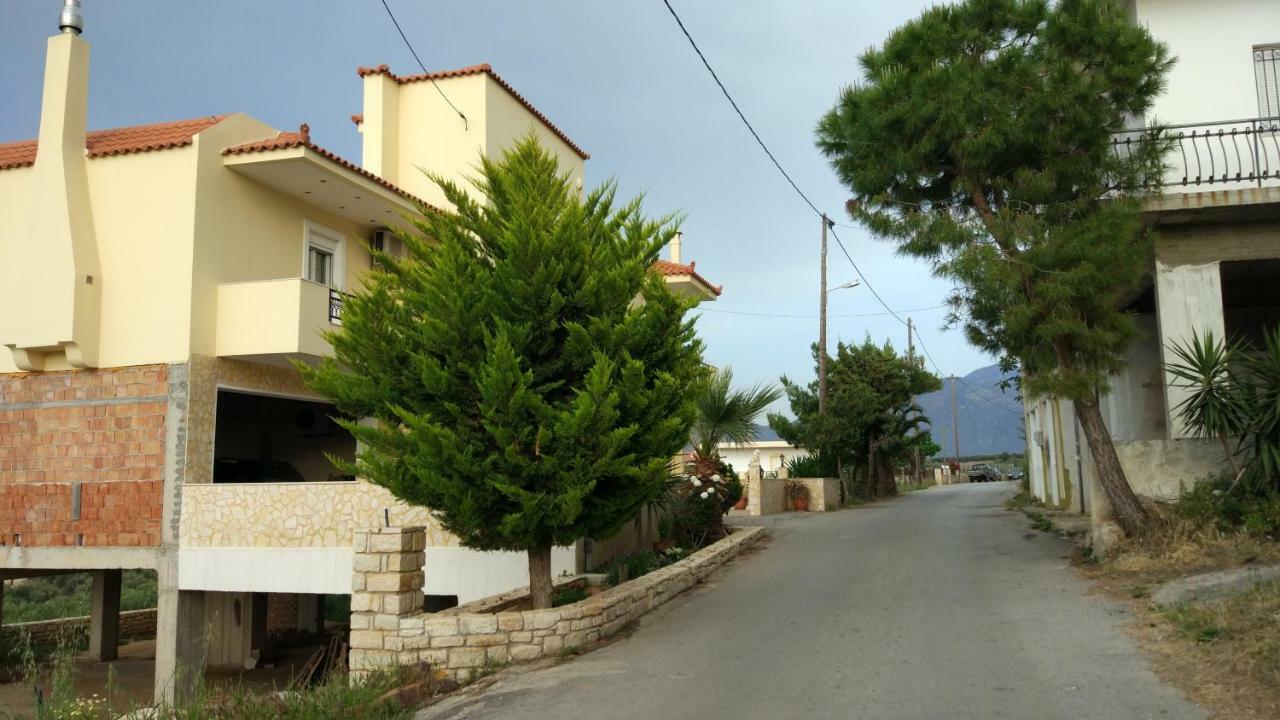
940	604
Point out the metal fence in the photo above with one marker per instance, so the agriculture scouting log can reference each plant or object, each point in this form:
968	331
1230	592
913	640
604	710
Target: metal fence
335	306
1217	153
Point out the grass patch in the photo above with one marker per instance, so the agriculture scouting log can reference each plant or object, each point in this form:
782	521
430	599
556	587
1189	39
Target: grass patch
62	596
1174	546
1021	501
1039	521
1237	636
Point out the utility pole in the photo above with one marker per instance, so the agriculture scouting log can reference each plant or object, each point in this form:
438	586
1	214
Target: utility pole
955	418
911	348
822	326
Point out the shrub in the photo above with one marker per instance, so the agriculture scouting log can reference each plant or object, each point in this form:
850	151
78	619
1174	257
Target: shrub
1213	502
568	596
638	563
809	466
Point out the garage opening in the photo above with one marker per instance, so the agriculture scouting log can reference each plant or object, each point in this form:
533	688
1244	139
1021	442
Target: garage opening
261	438
1250	299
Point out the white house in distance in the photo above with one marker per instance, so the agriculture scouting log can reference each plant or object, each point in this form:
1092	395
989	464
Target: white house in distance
774	451
1217	256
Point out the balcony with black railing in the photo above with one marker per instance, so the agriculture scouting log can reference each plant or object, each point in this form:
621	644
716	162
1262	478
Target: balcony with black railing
335	306
1221	155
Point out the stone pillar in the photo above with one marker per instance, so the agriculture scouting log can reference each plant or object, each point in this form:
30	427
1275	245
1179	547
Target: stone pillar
104	616
386	586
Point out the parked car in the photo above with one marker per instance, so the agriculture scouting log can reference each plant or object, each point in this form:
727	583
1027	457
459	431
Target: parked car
1015	474
985	473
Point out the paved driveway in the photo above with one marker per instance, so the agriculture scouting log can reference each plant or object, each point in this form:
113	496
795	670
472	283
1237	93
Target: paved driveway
940	604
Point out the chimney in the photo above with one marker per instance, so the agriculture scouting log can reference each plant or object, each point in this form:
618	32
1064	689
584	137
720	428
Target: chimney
675	247
71	20
58	276
380	143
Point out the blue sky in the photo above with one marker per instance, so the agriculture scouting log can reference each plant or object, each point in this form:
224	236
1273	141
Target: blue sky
617	76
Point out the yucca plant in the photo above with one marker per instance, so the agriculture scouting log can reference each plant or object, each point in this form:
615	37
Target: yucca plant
1234	398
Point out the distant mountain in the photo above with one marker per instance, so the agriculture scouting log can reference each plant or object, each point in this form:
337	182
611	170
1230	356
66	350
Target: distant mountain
990	418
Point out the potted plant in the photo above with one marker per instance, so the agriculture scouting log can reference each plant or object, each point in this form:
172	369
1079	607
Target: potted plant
742	502
798	493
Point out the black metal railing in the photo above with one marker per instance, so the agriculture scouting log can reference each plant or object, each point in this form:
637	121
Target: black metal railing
335	306
1216	153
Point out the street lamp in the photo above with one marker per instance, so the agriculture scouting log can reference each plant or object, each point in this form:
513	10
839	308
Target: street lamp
845	286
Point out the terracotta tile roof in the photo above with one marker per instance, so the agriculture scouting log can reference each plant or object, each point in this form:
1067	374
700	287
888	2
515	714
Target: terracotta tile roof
357	118
117	141
485	69
666	268
302	138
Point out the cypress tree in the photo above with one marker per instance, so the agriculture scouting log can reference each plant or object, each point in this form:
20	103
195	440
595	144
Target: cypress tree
529	377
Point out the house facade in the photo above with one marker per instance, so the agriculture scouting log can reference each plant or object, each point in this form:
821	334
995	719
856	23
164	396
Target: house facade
157	283
1217	253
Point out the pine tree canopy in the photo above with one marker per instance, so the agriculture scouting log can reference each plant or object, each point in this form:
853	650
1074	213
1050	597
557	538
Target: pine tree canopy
980	139
529	376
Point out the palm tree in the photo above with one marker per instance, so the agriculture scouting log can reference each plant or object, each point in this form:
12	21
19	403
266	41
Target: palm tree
726	415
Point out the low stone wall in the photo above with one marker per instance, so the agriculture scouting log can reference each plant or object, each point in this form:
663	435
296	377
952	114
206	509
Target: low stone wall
765	496
389	628
824	493
768	496
140	624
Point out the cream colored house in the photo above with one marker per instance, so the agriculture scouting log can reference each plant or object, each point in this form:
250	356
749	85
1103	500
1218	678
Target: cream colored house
155	281
1217	255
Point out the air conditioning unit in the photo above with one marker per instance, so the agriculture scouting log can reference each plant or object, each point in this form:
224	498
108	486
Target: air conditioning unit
386	241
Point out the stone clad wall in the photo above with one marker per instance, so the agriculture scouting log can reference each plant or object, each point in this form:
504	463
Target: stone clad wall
138	624
388	626
824	493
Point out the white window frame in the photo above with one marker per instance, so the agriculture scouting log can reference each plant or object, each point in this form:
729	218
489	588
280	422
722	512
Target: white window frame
1267	59
329	240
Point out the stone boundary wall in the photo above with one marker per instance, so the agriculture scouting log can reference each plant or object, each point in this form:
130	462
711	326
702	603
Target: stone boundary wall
389	628
824	493
133	624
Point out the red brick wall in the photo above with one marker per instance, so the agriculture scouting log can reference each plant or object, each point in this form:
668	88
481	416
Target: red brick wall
57	428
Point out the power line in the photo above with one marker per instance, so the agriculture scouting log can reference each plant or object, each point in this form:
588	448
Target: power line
810	317
465	124
830	223
739	110
960	380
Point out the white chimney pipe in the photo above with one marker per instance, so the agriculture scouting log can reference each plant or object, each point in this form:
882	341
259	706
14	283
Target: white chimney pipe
675	247
71	20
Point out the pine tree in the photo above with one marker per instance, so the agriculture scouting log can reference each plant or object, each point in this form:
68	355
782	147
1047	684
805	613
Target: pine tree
529	377
980	139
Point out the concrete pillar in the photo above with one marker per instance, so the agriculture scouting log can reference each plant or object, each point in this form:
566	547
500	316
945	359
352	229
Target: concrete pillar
1188	304
104	616
180	634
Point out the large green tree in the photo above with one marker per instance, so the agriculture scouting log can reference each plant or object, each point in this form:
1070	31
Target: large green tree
980	139
529	377
871	421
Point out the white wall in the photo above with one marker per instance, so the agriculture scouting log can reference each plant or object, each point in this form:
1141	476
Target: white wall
771	453
1213	41
469	574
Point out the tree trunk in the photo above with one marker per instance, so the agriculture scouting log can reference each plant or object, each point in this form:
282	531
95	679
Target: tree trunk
1129	511
540	577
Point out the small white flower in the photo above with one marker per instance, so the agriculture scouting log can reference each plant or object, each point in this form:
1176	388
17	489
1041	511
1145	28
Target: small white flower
696	482
715	478
705	494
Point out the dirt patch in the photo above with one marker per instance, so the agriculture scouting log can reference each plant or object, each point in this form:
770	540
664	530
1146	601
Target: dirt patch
1225	654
